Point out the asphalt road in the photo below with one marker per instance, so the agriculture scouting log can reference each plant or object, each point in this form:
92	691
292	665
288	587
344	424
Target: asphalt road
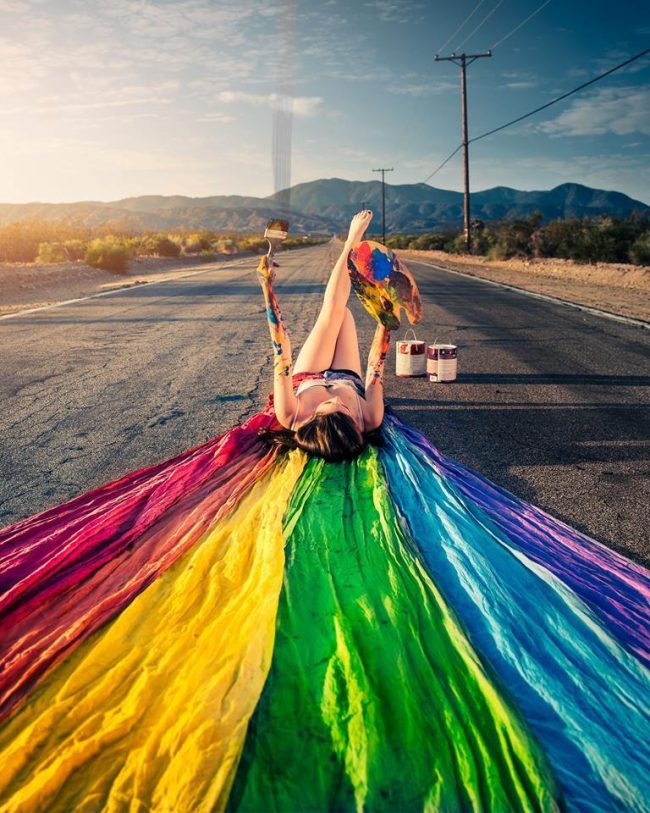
551	403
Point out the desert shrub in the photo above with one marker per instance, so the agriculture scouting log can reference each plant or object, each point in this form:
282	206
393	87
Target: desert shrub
482	241
159	245
456	245
639	252
20	242
226	246
110	253
176	237
75	249
133	243
398	241
512	238
168	247
253	244
51	253
196	242
60	252
209	254
603	239
435	241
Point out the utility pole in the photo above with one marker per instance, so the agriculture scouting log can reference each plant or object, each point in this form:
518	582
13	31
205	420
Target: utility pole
463	92
383	202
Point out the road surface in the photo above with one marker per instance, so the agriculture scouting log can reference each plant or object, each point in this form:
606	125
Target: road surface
551	403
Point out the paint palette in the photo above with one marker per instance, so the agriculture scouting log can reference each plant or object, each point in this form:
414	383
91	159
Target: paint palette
384	284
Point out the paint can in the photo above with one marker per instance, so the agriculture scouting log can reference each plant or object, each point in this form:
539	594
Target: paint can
410	359
442	362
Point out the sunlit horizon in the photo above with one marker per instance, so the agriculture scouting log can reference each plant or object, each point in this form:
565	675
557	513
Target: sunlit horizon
101	102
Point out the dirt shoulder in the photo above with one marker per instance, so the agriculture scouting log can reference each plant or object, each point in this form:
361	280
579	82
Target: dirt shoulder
33	285
618	288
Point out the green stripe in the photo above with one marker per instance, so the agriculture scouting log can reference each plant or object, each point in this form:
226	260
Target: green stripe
375	699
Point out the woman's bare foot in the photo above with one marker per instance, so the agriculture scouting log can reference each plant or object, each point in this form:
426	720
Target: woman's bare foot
358	227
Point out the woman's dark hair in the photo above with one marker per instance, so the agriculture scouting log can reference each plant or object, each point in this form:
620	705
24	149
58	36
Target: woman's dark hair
333	436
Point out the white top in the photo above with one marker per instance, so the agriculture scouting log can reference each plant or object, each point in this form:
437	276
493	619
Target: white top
322	382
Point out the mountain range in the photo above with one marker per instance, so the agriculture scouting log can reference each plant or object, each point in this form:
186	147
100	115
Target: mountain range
325	206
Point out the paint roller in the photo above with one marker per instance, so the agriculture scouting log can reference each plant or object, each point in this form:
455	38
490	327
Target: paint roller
275	233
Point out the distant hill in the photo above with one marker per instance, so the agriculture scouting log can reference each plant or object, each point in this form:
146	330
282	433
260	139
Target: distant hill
325	206
418	207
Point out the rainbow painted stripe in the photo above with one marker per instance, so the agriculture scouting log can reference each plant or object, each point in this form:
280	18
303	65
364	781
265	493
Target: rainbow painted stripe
229	630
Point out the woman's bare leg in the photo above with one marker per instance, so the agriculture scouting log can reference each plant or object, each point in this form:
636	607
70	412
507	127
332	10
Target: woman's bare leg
346	353
317	353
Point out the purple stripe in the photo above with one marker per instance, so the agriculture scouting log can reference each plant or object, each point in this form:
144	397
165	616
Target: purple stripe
616	588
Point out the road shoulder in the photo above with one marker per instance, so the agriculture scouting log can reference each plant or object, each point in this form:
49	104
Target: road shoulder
621	290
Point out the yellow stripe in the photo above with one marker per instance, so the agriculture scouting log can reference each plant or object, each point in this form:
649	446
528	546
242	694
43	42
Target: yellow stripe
151	712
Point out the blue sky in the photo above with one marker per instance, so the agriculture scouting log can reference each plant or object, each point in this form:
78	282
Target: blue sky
102	100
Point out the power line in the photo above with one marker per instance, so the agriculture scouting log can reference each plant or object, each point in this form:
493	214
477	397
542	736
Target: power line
447	159
514	30
564	96
548	104
461	26
480	25
417	108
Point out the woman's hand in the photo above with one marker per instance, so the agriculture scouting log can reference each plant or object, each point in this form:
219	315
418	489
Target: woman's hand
266	269
358	227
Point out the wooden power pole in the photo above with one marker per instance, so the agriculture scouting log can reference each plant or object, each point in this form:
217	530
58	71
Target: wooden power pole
462	60
383	203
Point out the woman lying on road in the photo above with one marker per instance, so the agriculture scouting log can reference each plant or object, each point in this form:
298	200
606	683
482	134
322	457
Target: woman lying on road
326	407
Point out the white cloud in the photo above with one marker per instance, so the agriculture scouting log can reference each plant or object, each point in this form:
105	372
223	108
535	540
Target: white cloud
302	105
432	88
621	111
615	56
395	11
67	103
221	118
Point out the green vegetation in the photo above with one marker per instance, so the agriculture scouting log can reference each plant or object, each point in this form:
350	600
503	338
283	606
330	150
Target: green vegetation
110	253
60	252
603	239
158	245
640	249
111	248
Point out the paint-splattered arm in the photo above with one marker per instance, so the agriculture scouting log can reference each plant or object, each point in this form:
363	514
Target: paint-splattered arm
282	361
375	377
284	396
377	357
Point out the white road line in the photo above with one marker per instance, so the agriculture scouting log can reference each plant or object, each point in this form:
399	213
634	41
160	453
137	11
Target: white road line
128	287
595	311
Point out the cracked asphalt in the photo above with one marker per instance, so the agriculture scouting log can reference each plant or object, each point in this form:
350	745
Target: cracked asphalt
551	402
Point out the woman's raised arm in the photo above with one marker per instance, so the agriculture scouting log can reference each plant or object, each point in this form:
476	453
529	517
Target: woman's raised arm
375	376
283	395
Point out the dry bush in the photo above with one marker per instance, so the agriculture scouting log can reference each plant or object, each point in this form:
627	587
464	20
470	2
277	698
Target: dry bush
110	253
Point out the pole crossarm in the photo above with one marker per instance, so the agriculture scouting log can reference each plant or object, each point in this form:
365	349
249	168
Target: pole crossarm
455	57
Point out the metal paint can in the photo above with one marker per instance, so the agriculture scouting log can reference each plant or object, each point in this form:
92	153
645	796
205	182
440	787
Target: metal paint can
410	359
442	362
